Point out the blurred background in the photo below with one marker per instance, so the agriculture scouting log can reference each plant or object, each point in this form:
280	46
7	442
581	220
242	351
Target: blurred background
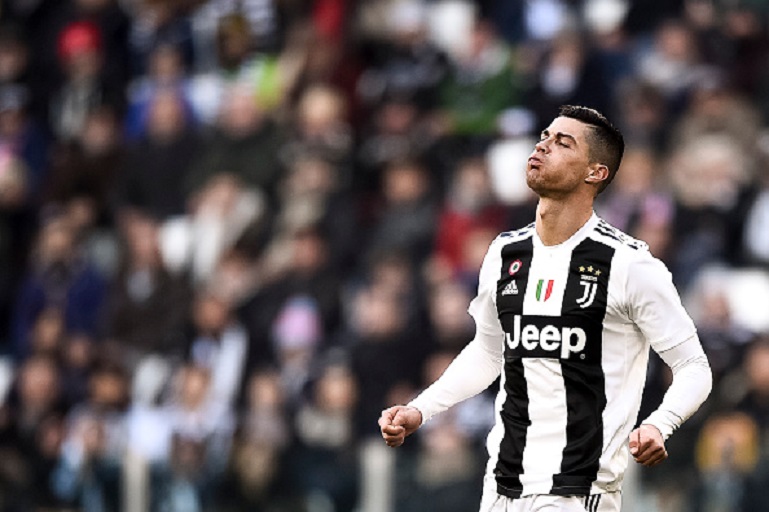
233	231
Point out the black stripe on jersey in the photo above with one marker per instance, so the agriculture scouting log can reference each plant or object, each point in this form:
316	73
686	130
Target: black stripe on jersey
607	232
610	231
516	421
518	232
584	301
516	263
515	409
591	502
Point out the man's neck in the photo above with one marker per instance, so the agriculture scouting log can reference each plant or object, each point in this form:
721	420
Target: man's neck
558	220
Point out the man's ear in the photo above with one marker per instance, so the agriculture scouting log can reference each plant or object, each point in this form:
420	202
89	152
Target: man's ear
597	173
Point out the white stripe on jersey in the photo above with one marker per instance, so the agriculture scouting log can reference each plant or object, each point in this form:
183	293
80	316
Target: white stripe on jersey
546	265
544	444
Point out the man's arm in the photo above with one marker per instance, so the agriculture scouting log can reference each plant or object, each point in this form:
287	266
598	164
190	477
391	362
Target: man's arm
472	371
692	382
658	312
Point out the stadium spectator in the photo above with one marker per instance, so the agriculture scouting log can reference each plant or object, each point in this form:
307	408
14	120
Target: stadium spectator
86	84
157	163
147	306
58	277
325	429
30	434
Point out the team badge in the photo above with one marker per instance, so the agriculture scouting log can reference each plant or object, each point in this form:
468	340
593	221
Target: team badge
514	267
544	289
589	280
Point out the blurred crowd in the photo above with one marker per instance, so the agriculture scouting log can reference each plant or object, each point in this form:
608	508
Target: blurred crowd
233	231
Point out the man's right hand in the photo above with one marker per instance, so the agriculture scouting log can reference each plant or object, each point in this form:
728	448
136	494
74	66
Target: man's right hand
398	422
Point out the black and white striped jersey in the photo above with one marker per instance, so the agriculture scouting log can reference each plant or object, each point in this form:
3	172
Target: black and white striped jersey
573	323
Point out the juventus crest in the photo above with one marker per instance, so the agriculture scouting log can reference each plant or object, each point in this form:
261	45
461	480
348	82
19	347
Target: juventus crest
589	280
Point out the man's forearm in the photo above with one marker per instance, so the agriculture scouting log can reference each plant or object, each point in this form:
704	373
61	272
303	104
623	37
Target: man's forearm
472	371
692	382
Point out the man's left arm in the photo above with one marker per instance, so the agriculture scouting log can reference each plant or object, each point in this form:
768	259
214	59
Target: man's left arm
692	382
658	312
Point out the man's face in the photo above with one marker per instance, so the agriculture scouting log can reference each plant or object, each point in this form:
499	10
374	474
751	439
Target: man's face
560	161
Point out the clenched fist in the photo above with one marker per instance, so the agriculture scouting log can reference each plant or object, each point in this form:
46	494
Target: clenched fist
398	422
647	446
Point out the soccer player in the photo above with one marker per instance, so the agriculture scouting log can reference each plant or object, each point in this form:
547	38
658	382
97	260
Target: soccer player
566	311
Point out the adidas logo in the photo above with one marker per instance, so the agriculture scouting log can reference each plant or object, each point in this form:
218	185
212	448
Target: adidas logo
510	289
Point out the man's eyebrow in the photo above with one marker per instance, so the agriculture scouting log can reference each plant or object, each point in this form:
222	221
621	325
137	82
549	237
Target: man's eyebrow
559	135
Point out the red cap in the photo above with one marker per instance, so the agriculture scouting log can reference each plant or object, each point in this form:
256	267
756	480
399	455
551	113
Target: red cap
78	37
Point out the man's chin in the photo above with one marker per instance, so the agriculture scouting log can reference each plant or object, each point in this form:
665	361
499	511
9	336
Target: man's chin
534	184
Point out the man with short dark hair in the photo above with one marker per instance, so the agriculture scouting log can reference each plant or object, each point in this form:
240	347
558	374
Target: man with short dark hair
566	311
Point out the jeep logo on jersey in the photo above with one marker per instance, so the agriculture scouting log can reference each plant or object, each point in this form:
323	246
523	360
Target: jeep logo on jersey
546	340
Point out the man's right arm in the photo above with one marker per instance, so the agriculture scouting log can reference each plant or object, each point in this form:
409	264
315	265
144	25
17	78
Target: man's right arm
481	361
472	371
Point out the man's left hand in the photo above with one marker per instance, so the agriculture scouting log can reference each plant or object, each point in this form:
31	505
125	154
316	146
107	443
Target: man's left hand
647	446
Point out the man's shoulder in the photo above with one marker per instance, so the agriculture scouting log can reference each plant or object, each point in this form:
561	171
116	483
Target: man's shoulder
619	240
515	235
632	256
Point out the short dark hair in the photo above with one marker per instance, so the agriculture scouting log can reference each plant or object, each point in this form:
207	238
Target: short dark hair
606	142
